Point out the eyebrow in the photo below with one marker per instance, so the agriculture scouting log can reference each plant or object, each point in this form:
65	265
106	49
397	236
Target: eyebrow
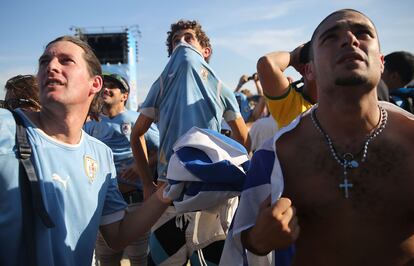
42	57
47	56
328	31
352	25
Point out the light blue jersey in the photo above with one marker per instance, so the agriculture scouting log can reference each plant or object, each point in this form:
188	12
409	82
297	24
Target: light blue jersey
79	189
116	133
188	93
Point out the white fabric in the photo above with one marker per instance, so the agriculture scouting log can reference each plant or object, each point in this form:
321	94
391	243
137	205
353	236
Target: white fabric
261	130
248	209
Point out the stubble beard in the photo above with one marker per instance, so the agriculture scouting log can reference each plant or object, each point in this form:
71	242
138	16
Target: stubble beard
351	81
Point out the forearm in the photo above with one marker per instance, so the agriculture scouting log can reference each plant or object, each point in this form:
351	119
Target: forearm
139	151
135	223
259	109
239	132
252	245
258	87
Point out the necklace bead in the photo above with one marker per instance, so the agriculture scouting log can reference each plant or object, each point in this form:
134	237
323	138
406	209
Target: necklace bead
348	160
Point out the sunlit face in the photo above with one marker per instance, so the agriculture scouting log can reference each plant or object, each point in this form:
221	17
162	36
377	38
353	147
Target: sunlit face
63	75
346	51
189	36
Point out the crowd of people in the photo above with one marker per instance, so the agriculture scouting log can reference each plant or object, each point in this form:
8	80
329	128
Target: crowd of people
85	181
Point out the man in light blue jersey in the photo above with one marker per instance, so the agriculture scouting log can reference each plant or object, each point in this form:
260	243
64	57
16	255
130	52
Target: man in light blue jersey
77	177
114	129
188	93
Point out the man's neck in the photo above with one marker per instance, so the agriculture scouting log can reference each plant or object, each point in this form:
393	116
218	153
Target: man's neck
311	95
63	126
113	110
351	118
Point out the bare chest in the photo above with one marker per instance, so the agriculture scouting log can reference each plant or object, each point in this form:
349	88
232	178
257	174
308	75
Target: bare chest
318	185
375	221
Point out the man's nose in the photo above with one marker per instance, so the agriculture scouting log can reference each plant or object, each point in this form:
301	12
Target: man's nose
350	39
53	65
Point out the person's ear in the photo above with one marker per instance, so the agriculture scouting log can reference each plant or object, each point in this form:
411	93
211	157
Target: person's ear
96	84
124	96
309	71
206	52
382	63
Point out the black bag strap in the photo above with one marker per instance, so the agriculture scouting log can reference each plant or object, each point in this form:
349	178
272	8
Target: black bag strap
25	151
29	227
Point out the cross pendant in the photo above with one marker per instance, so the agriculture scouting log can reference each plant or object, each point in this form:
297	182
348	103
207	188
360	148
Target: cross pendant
346	186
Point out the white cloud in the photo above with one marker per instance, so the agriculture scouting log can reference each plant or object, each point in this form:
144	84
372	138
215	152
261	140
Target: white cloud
254	43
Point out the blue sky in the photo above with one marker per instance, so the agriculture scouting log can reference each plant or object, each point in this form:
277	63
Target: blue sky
240	31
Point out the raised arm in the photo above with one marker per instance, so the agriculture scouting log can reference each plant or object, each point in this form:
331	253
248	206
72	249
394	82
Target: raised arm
261	104
243	79
270	68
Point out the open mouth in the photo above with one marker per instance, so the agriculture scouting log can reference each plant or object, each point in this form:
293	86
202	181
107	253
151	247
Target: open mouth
53	82
350	57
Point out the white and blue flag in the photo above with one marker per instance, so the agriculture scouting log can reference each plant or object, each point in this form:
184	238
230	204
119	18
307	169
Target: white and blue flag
205	170
264	178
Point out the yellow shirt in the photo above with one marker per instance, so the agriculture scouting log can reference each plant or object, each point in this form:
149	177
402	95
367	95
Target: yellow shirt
287	107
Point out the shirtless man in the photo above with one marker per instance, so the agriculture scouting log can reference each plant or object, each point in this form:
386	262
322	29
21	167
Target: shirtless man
352	200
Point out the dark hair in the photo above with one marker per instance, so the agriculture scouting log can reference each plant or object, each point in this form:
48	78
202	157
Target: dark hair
330	15
188	24
94	66
401	62
304	53
95	109
25	91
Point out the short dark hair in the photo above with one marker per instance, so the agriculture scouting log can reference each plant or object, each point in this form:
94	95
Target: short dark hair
94	66
304	53
401	62
188	24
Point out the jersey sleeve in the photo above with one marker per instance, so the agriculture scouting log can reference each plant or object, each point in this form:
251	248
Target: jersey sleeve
150	106
230	105
114	205
287	107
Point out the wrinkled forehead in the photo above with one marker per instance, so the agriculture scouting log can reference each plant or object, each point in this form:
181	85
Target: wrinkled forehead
342	18
63	47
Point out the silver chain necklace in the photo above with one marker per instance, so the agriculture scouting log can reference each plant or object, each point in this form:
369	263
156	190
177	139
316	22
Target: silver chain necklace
348	160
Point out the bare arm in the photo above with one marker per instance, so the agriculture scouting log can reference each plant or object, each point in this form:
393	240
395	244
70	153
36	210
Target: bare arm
239	132
260	106
270	69
119	234
243	79
139	149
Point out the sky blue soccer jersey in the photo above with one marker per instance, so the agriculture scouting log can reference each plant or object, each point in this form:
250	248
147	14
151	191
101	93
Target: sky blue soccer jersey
78	186
188	93
116	133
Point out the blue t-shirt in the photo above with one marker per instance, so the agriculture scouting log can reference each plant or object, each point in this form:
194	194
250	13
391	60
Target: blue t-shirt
188	93
78	187
116	133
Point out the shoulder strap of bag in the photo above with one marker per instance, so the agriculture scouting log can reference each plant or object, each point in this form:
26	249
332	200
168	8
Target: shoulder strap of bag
25	151
30	193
